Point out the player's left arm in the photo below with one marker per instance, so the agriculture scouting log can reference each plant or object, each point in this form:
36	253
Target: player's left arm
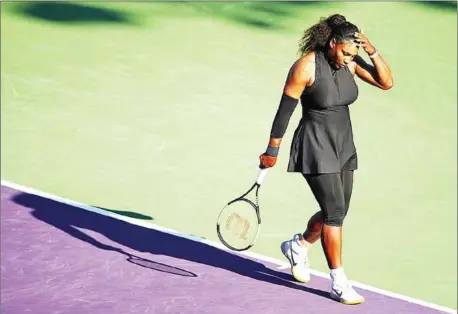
378	73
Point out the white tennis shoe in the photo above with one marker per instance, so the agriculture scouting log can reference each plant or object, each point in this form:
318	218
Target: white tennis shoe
297	257
343	292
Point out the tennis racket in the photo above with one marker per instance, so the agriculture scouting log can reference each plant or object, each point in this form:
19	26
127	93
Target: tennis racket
239	222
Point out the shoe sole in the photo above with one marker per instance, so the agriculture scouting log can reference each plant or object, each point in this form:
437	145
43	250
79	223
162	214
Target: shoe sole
297	278
355	302
283	249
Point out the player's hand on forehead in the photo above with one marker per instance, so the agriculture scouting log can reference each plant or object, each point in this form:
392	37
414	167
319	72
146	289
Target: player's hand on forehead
362	41
360	38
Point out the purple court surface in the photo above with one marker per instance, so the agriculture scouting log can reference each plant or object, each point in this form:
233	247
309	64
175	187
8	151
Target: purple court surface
60	259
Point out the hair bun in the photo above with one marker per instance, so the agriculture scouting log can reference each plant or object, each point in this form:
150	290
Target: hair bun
335	20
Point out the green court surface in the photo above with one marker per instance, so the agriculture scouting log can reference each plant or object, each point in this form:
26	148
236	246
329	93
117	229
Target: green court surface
160	111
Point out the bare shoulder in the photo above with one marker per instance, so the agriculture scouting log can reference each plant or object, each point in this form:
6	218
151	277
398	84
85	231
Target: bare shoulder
303	70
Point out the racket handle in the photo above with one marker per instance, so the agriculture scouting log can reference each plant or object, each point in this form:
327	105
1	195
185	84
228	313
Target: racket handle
261	176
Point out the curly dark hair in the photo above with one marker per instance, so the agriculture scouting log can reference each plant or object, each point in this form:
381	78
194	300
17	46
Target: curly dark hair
318	36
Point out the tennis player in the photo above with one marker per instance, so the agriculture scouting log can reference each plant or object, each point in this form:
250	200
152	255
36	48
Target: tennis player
322	149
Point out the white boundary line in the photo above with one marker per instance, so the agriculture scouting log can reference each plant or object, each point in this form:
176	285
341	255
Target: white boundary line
280	264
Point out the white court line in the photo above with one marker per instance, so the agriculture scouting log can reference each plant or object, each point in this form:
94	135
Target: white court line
280	264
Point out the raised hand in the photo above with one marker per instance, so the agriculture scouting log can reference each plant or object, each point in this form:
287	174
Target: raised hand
362	40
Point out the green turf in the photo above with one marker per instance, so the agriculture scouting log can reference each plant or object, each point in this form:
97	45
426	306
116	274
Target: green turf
159	111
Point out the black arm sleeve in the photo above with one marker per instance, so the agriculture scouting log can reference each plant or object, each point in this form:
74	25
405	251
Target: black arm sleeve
283	115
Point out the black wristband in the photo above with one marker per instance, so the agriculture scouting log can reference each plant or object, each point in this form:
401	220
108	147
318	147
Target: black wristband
272	151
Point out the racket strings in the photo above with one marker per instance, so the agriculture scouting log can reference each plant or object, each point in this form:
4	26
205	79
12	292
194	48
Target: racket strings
238	224
239	221
245	228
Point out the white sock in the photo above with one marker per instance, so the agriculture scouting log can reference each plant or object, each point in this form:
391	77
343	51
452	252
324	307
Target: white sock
297	245
303	243
338	274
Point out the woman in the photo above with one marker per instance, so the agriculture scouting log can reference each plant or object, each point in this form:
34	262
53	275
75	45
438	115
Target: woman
322	149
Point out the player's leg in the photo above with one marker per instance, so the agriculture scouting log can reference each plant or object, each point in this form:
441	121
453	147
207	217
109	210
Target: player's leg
315	223
333	199
296	249
347	183
313	231
328	191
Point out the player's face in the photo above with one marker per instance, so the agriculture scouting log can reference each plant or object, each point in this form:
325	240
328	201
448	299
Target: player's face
343	53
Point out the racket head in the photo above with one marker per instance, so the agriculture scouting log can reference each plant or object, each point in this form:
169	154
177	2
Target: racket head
238	224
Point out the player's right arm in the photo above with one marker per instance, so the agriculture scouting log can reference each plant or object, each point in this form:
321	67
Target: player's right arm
300	76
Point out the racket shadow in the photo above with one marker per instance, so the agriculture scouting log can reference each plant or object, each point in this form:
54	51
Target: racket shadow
145	240
146	263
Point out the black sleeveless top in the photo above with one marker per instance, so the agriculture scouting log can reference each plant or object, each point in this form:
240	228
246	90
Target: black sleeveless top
323	140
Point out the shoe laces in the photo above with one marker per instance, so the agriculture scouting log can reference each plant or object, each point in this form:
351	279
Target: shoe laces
301	252
343	285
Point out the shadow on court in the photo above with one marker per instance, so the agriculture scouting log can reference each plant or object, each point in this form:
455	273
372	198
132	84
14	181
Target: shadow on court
127	213
444	5
71	13
260	15
69	219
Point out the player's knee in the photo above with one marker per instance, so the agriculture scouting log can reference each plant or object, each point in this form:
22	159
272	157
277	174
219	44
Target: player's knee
334	221
334	215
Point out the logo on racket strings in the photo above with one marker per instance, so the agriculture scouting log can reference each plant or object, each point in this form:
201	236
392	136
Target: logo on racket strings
238	225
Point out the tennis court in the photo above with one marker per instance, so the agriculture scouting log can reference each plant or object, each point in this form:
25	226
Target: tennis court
155	113
59	258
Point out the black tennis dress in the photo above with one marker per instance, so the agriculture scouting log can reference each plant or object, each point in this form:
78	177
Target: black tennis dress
323	140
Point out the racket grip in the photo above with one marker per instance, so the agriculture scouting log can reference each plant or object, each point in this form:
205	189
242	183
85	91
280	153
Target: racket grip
261	176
